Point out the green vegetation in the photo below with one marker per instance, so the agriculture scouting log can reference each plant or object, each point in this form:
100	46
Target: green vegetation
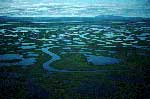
82	85
125	80
78	62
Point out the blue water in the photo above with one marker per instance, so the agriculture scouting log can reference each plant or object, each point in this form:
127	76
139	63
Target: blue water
22	62
10	57
102	60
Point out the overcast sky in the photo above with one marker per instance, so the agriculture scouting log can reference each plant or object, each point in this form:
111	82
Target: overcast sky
59	8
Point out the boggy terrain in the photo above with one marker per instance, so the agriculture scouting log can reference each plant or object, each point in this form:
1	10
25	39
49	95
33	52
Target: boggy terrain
74	59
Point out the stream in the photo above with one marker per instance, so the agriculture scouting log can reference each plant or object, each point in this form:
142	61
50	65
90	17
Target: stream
54	57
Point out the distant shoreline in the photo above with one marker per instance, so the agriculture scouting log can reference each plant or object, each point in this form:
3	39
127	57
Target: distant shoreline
80	19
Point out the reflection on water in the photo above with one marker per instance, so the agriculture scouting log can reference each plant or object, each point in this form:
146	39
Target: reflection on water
10	57
6	58
101	60
100	39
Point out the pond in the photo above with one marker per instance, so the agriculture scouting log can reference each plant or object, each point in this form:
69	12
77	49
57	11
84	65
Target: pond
16	60
102	60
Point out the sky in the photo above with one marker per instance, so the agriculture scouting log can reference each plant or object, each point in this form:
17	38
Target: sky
74	8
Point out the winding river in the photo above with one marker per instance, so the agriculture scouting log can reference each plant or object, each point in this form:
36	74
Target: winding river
55	57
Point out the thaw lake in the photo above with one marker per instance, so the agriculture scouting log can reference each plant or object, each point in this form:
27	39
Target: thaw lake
15	60
101	60
72	37
74	58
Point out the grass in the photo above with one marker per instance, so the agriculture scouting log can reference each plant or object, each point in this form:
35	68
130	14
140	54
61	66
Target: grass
76	85
81	85
73	62
79	62
20	89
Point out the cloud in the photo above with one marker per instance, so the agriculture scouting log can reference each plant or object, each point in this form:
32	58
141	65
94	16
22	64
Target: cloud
52	9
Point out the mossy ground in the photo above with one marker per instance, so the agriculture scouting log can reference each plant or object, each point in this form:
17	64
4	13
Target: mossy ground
33	82
79	85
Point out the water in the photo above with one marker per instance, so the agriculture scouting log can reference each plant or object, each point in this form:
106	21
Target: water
101	60
72	37
6	58
10	57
